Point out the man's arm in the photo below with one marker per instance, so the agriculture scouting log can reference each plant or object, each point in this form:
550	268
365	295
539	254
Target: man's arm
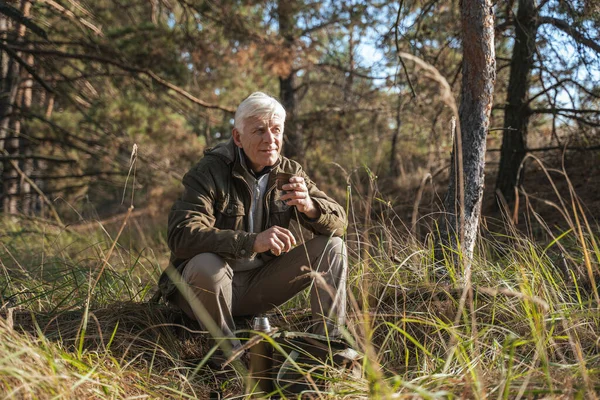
191	229
316	211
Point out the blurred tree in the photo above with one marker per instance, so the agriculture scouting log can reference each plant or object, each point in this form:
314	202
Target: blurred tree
543	72
57	132
421	115
287	18
16	101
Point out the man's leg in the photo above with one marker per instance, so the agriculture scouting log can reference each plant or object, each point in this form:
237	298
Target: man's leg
283	277
208	278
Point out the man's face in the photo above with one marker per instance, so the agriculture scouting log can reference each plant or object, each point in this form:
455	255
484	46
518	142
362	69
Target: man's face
261	140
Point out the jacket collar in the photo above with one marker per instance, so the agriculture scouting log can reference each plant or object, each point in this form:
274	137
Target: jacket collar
225	150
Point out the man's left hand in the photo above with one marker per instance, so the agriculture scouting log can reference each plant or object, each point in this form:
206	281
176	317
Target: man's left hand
297	195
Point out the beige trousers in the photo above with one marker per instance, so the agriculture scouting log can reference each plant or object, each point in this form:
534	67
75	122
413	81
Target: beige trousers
226	294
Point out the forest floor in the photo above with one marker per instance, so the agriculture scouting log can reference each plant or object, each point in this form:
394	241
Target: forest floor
546	189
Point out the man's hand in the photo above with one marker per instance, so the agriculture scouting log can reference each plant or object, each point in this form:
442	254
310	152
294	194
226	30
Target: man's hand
277	239
297	195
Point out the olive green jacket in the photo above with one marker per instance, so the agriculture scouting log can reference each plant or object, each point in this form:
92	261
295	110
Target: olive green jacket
210	215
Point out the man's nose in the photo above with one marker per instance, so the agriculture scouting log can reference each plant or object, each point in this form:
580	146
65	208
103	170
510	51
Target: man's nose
271	136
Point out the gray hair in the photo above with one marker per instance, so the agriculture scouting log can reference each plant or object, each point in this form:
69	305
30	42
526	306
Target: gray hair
259	105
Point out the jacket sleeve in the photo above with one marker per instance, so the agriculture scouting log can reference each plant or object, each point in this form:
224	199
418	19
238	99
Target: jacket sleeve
191	229
332	219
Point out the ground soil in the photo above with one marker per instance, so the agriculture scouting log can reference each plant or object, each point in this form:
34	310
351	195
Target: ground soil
552	181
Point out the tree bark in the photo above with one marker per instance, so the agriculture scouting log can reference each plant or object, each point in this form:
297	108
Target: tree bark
465	189
516	113
8	124
14	145
294	140
9	83
26	195
396	164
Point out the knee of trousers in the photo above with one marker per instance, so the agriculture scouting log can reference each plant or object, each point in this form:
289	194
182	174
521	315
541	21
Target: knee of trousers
207	271
333	254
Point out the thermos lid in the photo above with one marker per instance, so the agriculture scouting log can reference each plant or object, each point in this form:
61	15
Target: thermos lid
261	324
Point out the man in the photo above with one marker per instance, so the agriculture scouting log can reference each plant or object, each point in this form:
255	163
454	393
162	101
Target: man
228	232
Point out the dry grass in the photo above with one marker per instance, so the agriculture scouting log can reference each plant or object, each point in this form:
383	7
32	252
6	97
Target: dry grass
533	332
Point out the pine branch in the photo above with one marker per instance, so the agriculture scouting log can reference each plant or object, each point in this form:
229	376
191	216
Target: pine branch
16	15
154	77
79	176
36	157
571	31
549	148
562	110
35	187
27	67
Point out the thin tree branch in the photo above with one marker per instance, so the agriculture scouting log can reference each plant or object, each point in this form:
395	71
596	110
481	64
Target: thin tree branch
343	69
571	31
36	157
72	16
397	43
562	110
78	176
27	67
16	14
319	27
540	149
154	77
35	187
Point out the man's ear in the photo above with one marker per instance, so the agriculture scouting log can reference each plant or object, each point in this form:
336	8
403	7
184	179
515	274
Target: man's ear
236	137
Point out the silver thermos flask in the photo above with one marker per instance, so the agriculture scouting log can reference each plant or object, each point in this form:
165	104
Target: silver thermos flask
261	358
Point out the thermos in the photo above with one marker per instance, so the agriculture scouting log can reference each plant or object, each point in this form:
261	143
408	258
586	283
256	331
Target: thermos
261	358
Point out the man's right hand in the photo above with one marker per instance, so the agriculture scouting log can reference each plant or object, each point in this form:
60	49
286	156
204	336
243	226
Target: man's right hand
277	239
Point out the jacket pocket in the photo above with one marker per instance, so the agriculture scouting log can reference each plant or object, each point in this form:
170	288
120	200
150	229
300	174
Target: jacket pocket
280	214
230	215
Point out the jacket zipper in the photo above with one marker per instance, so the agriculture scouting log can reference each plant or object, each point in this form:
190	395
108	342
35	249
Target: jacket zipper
267	220
238	176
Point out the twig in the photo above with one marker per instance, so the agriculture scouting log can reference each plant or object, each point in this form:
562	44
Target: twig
35	187
396	28
112	247
536	149
415	213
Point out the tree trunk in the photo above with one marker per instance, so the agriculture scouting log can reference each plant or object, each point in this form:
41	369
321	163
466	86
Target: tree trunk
516	112
294	141
14	188
4	98
396	164
465	189
9	83
8	124
26	195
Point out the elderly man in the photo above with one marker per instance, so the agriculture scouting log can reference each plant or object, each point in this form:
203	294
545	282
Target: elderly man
228	232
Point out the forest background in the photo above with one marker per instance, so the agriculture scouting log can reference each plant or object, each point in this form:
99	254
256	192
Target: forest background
106	104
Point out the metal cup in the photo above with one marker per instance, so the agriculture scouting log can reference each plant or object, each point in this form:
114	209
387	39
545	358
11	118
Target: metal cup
261	324
283	178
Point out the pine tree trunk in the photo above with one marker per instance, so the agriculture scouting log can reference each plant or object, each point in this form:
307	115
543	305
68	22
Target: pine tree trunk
294	141
516	113
396	165
463	201
8	124
9	81
14	188
26	195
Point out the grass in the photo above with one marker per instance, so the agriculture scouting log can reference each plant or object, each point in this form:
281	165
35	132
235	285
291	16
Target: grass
69	331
